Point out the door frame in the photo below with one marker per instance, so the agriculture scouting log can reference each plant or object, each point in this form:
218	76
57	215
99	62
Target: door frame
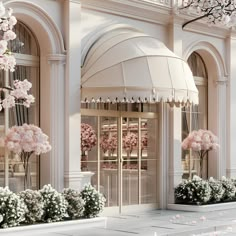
119	115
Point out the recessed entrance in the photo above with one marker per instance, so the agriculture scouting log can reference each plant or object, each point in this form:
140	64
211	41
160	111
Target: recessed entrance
125	159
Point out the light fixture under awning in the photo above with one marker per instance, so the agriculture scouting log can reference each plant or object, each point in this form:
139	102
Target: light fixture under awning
132	66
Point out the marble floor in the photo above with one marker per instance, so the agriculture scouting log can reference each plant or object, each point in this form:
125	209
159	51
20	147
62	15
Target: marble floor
163	223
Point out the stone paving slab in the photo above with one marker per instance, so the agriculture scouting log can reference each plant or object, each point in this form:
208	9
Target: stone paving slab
163	223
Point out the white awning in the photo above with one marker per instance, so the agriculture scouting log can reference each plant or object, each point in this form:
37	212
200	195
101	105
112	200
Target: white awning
132	66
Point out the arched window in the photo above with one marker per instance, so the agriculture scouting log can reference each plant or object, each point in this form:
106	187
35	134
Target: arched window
26	51
196	116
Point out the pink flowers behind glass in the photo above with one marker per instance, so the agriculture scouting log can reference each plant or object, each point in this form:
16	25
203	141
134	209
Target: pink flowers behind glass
88	137
28	139
108	143
144	141
130	141
18	95
201	140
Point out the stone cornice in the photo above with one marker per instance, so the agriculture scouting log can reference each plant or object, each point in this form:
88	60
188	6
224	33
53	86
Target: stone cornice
200	27
150	11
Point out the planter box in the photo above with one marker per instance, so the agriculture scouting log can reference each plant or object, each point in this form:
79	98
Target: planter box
202	208
40	229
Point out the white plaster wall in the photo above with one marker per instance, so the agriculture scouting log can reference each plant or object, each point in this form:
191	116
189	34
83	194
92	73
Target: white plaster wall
93	21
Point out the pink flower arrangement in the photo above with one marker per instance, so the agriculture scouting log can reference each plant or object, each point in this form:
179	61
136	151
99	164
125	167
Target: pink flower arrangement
130	141
201	141
26	138
144	141
108	144
88	137
104	142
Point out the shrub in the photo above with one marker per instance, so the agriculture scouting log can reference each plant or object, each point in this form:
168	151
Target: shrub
12	208
195	191
183	192
55	205
217	190
229	188
34	205
75	207
94	201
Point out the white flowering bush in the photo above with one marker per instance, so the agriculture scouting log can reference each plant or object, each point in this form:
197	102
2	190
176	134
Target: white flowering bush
94	201
195	191
198	191
229	188
34	205
75	207
183	192
55	205
48	205
217	190
12	208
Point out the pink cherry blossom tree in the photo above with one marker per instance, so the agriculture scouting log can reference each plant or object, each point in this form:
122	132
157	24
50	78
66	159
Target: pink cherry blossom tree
200	141
26	140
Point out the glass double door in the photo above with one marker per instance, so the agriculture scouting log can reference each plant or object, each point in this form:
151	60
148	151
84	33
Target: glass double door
125	160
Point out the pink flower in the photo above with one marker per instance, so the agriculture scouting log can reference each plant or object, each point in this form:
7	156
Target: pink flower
130	141
200	140
9	35
27	139
88	137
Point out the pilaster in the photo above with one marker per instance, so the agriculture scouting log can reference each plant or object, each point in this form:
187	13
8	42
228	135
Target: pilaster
57	71
175	171
175	137
222	127
73	177
231	107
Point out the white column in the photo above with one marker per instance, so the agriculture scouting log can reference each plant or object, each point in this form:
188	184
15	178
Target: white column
57	122
231	107
175	152
74	178
217	159
173	144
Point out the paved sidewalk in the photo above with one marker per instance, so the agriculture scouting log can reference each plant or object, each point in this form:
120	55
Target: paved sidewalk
163	223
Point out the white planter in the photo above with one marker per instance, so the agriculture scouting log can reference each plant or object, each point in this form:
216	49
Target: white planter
203	208
40	229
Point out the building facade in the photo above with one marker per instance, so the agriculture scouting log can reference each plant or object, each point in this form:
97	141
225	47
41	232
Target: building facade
63	40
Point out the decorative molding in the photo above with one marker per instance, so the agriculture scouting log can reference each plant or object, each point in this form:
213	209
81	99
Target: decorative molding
31	10
201	27
155	2
76	1
136	9
223	81
60	58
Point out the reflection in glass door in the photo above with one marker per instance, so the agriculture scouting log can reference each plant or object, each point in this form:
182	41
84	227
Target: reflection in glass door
125	159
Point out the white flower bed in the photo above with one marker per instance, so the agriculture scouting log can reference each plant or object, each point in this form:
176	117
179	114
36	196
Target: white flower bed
200	192
48	205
